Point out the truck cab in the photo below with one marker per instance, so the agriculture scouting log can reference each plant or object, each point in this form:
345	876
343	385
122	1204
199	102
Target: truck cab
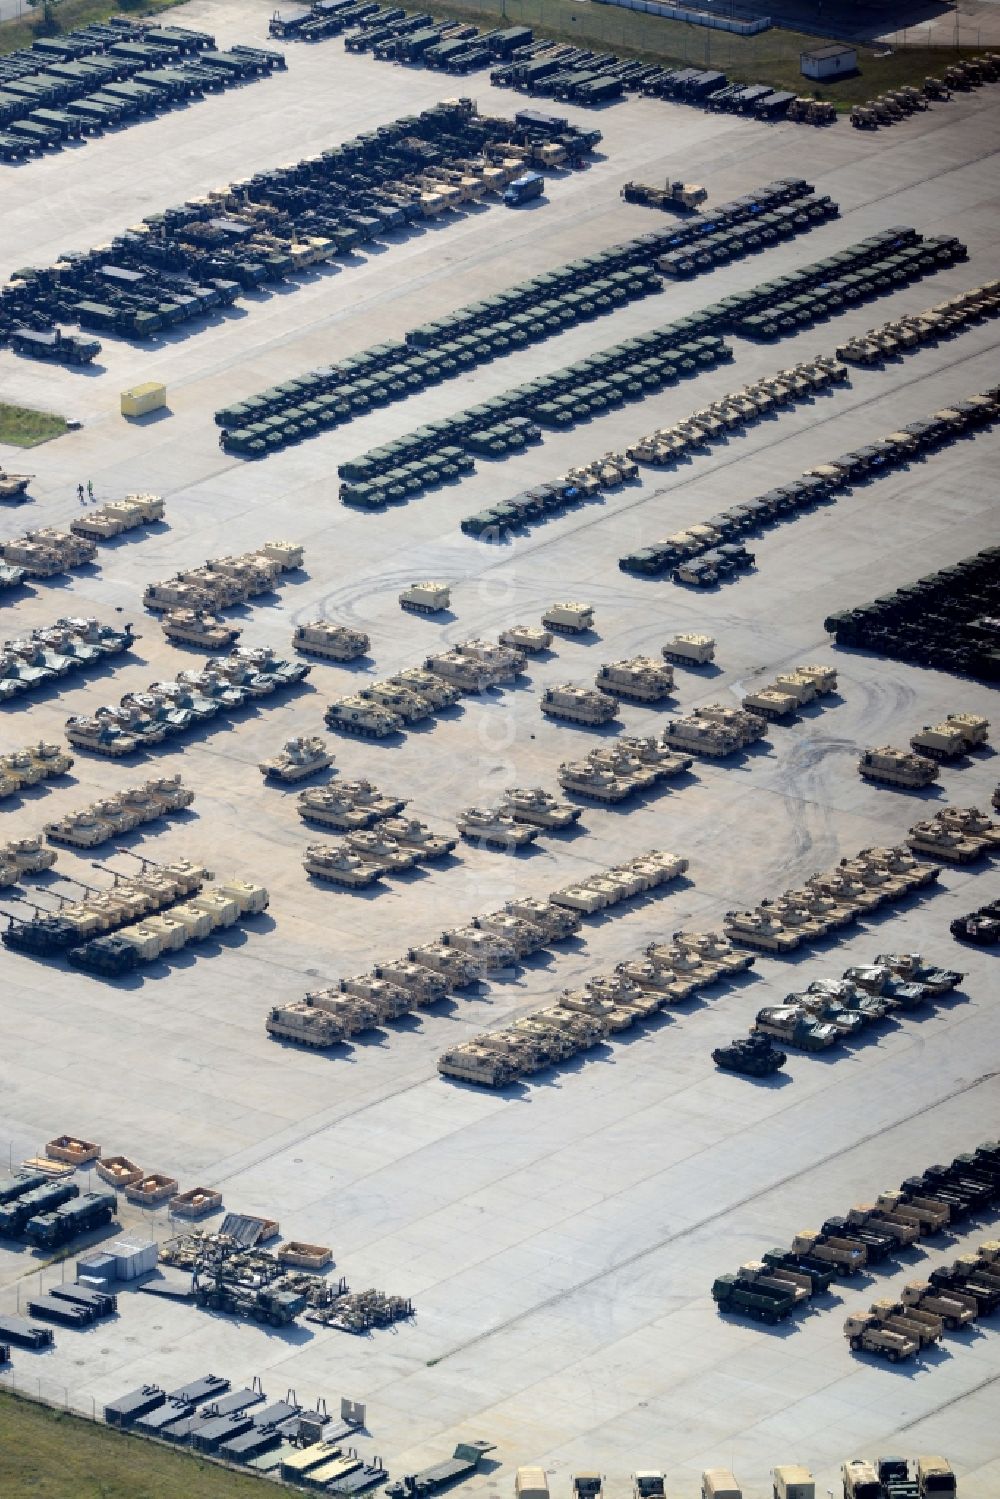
861	1480
935	1476
648	1485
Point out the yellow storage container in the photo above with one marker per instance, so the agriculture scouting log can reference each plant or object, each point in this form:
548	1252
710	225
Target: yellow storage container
143	398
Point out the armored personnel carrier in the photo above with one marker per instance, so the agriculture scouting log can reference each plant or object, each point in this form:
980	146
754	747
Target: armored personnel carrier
689	650
792	1025
354	715
465	673
118	516
639	680
578	704
474	1063
26	856
412	834
771	703
99	738
534	805
495	828
939	741
753	1055
300	757
569	618
530	638
335	866
208	632
750	727
894	767
428	684
425	598
974	728
304	1023
701	736
318	637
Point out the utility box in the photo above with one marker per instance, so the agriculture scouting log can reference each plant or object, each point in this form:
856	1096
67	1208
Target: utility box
142	399
835	61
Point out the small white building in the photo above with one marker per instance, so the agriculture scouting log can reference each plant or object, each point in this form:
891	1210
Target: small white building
834	61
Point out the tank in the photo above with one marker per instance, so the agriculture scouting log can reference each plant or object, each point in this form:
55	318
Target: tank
971	823
495	828
939	741
209	632
354	715
760	930
753	1055
425	598
303	1023
329	807
894	767
410	706
640	679
381	851
792	1025
689	650
534	805
578	704
99	739
530	638
13	486
300	757
10	576
331	642
569	617
427	684
938	842
27	855
714	947
701	736
363	793
410	833
335	866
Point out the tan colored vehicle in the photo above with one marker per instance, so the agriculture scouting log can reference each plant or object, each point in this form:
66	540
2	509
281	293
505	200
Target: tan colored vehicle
867	1214
209	632
332	807
935	1475
936	841
974	729
929	1216
793	1482
335	866
98	738
953	1307
569	617
771	703
530	638
939	741
713	948
924	1326
472	1062
383	853
330	642
303	1023
427	684
534	805
639	679
700	736
749	726
971	823
425	598
578	704
410	833
410	706
495	828
584	778
759	930
755	1272
860	1480
355	715
719	1483
866	1335
118	516
300	757
895	767
463	672
846	1254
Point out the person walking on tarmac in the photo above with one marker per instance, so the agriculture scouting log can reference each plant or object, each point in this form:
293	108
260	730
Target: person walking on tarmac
79	493
90	490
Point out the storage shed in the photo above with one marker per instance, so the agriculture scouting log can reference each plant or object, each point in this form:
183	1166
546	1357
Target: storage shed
834	61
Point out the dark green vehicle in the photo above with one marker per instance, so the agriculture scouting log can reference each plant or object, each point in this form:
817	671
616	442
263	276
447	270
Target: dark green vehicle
759	1302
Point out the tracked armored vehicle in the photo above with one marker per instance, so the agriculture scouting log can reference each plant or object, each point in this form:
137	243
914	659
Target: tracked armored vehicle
753	1055
330	642
208	632
639	680
495	828
578	704
355	715
300	758
894	767
534	805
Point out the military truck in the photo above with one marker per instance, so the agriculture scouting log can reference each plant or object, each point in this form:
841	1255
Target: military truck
330	642
865	1334
848	1256
860	1480
909	1320
578	704
689	649
895	767
462	1464
569	617
763	1303
681	196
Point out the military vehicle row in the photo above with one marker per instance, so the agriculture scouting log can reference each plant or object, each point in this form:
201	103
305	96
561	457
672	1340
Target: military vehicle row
167	709
827	902
869	1237
899	1329
832	1010
114	815
21	856
71	645
827	481
791	690
47	553
480	331
954	737
979	928
668	445
301	757
946	619
87	82
54	1213
143	941
462	956
222	582
886	109
955	835
31	766
915	329
192	258
348	805
365	856
551	497
675	196
884	1478
118	516
616	770
714	730
507	422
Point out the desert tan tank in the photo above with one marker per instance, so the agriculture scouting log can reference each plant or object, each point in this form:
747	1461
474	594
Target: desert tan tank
714	947
118	516
410	706
22	769
425	598
530	638
534	805
330	807
173	594
621	763
700	736
640	679
558	923
410	833
491	950
335	866
894	767
760	930
578	704
652	753
438	692
209	632
355	715
569	617
99	738
938	842
584	778
901	863
633	1000
971	823
457	968
474	1063
688	966
749	726
300	757
318	637
796	917
27	855
523	936
974	728
609	1016
771	702
939	741
381	851
495	828
656	979
303	1023
51	758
